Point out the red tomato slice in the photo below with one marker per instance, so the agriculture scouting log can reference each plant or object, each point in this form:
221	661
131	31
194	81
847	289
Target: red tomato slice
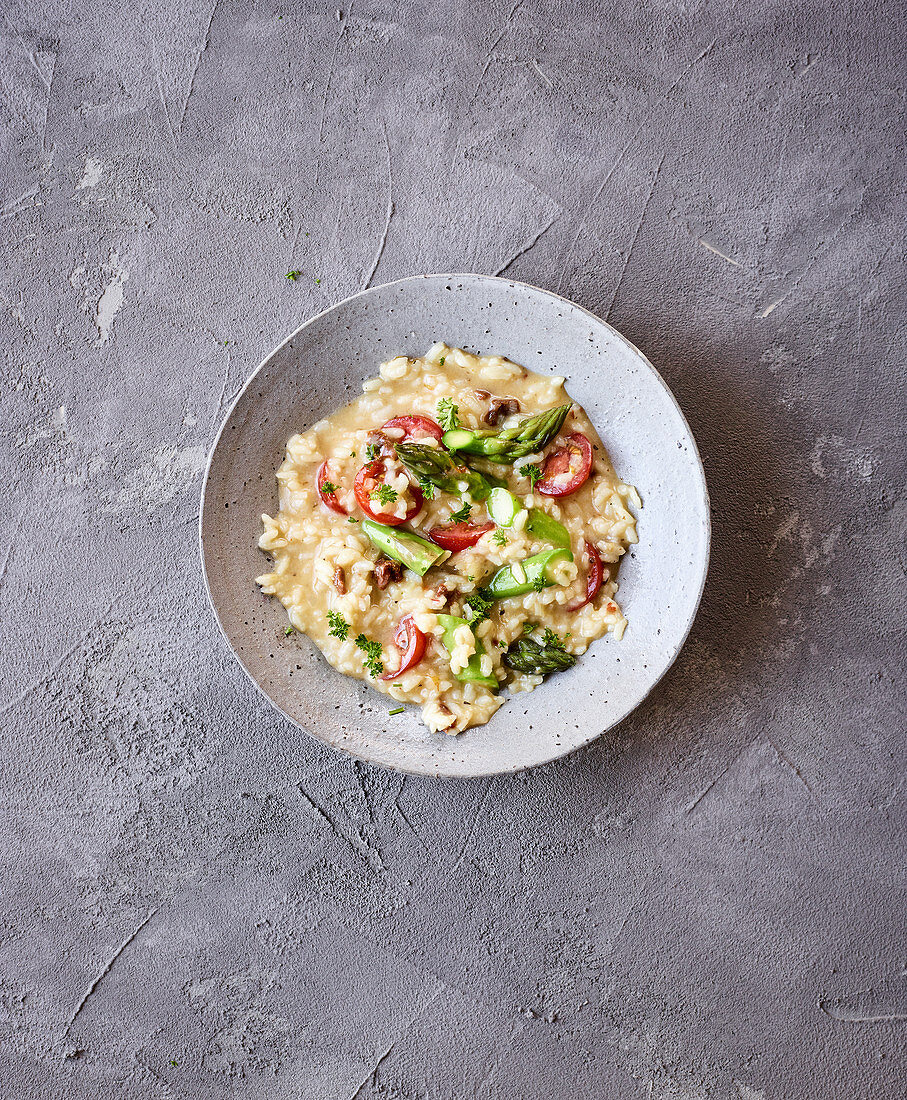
567	469
410	640
371	477
413	426
594	579
458	536
328	498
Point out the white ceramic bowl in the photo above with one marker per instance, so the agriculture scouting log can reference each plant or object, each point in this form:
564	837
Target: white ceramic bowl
321	366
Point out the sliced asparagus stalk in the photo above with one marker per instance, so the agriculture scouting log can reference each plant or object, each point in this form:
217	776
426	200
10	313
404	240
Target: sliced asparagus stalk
530	435
525	576
503	507
403	546
441	469
538	658
547	527
473	672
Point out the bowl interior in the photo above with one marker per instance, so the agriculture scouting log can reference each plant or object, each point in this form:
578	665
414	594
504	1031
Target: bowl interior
321	366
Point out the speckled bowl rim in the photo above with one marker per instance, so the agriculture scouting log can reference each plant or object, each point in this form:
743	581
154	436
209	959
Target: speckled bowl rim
683	634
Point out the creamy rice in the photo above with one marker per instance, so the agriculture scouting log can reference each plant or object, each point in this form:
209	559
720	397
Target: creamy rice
309	542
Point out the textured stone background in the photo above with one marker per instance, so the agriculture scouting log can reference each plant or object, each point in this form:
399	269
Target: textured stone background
198	901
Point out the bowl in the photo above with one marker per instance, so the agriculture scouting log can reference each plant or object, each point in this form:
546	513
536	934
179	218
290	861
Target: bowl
322	366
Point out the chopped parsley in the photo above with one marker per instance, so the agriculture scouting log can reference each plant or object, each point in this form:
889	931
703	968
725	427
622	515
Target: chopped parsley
540	583
351	519
428	490
385	494
289	630
293	275
553	640
327	487
462	514
448	414
499	537
373	656
339	626
372	451
352	454
397	710
317	282
478	607
441	360
532	472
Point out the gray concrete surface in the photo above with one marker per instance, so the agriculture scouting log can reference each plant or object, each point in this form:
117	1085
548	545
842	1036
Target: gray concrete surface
198	901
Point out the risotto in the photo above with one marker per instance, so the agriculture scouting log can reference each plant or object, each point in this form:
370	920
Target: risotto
452	532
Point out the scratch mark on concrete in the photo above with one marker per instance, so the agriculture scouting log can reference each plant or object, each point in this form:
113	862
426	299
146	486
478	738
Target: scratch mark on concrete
642	216
389	213
106	970
16	206
689	67
198	57
50	84
718	252
472	827
534	65
223	389
58	664
344	22
837	1009
784	759
46	81
354	840
406	820
692	806
371	1077
530	244
592	202
12	542
771	307
160	92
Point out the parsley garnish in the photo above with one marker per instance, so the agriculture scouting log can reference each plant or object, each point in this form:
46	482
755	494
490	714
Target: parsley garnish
540	583
478	607
499	537
288	630
397	710
553	640
385	494
317	282
428	490
448	414
293	275
372	659
351	519
328	487
339	626
372	451
532	472
441	360
462	514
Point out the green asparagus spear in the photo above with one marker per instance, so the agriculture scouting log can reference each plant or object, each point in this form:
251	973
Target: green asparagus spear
525	576
473	672
415	553
539	658
441	469
547	527
530	435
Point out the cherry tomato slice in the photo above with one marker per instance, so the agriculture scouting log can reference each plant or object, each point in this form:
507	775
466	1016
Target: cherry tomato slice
328	498
413	426
410	640
371	477
597	574
458	536
567	469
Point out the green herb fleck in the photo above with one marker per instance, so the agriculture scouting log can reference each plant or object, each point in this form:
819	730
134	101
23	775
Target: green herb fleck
552	639
428	490
317	282
373	657
462	514
385	494
289	630
532	472
327	487
351	519
174	1062
499	537
339	626
293	275
478	608
397	710
352	454
372	451
540	583
441	360
448	414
